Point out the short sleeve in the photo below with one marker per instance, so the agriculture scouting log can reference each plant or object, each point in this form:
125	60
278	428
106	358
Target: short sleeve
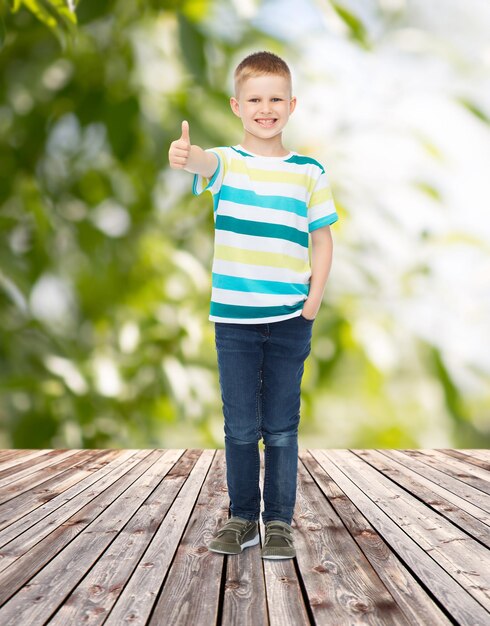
213	184
321	206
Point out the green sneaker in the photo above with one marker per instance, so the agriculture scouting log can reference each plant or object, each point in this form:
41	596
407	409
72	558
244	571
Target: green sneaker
278	542
236	534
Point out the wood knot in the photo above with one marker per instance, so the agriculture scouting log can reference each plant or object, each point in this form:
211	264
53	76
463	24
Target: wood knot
232	584
368	532
360	606
314	527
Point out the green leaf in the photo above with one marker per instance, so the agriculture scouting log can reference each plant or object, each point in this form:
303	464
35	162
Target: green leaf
58	15
354	24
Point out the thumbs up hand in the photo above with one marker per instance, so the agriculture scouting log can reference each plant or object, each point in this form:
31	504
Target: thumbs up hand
180	149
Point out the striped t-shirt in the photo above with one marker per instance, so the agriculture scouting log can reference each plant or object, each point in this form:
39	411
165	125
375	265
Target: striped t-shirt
264	209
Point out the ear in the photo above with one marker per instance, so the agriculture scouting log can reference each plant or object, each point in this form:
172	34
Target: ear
292	104
235	107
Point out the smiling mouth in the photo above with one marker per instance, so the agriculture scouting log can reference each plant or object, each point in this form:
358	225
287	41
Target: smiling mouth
266	122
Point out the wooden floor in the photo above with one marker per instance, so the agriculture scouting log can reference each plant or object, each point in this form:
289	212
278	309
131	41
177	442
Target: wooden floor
383	537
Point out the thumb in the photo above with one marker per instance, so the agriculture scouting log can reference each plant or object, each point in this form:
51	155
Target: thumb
185	132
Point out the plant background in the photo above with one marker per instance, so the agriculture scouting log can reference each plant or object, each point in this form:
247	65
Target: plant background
105	254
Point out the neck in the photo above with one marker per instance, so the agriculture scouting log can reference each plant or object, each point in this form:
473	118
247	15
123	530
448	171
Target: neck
265	147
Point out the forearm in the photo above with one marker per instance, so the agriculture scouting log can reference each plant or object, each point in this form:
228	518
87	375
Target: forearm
201	162
321	263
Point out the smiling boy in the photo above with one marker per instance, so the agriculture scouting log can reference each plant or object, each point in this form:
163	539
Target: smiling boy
267	202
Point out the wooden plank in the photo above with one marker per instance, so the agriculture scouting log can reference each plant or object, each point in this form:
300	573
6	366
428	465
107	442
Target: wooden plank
463	464
192	591
443	485
479	495
468	458
342	586
418	607
47	590
243	595
92	599
480	453
469	474
138	597
68	473
17	461
442	501
25	563
462	557
356	484
29	477
11	454
38	523
282	587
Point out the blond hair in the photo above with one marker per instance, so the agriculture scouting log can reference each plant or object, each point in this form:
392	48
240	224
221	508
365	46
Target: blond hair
258	64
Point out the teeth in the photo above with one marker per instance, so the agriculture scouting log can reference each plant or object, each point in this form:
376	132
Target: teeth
265	122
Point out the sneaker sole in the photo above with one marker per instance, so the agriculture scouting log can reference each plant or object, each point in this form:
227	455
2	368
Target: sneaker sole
247	544
277	557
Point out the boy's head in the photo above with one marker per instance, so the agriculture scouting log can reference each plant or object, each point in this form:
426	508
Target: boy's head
260	64
263	94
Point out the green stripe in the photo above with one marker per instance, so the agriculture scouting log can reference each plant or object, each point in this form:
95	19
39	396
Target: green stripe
261	229
303	160
241	152
234	311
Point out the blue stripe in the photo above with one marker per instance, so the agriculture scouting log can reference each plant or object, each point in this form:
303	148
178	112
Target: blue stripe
250	198
304	160
236	283
251	312
262	229
323	221
242	152
215	175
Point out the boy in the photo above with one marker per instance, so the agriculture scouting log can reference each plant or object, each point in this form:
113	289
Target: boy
265	295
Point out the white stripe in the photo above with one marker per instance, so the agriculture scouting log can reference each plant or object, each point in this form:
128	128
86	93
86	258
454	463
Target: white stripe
259	214
261	244
321	210
246	298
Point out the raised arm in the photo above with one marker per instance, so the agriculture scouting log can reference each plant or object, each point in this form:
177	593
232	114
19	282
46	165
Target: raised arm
182	155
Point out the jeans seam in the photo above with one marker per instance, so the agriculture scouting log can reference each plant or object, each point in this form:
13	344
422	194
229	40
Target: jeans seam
258	415
259	435
257	481
266	474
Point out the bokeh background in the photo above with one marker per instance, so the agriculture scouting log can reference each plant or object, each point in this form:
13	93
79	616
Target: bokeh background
105	254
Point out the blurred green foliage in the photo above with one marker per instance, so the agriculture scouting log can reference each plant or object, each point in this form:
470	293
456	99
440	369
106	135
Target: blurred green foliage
105	254
58	15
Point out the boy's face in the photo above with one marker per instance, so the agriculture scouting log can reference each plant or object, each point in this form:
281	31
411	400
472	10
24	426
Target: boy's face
264	105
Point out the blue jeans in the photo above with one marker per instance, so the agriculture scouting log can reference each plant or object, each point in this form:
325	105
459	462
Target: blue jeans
260	371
